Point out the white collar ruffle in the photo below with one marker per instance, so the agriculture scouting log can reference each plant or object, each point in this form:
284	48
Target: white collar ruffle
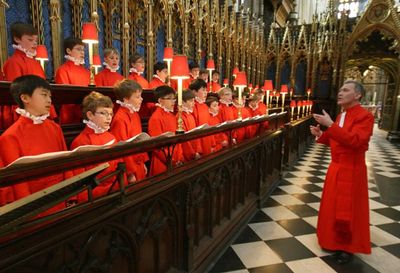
227	103
97	129
109	68
129	106
35	119
74	60
199	100
187	110
213	114
27	53
164	108
157	77
133	70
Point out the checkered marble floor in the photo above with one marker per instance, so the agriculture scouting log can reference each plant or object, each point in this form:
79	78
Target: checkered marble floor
281	236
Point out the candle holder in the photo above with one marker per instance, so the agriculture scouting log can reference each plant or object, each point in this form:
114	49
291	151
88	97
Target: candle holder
90	37
292	106
240	82
41	55
210	68
226	82
299	105
284	91
180	72
168	56
308	93
268	86
96	63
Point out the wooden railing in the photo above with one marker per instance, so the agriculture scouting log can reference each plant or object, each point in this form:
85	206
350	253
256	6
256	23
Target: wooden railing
175	222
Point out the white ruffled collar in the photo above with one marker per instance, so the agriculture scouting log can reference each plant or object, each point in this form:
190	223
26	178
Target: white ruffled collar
199	100
187	110
35	119
129	106
157	77
253	108
109	68
27	53
74	60
97	129
133	70
213	114
164	108
227	103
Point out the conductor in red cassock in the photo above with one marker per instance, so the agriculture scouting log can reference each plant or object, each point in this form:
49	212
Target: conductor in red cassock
343	220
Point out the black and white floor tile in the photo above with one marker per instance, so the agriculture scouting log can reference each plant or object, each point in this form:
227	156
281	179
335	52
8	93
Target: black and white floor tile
281	236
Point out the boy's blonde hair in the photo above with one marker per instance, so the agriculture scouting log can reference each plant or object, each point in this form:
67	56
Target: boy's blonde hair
93	101
108	51
125	88
224	90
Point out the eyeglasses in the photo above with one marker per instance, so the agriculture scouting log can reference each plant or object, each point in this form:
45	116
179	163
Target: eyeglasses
169	99
105	114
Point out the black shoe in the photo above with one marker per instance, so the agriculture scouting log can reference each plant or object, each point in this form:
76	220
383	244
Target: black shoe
342	257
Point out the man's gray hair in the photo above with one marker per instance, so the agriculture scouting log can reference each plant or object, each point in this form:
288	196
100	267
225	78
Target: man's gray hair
358	87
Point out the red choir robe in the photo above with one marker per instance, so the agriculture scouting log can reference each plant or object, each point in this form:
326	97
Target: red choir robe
160	122
226	112
107	78
16	66
70	73
343	219
258	111
139	79
202	115
126	125
244	132
156	82
215	87
262	108
220	137
24	138
190	148
89	137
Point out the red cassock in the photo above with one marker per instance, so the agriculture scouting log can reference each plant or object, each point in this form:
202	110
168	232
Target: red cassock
156	82
244	132
70	73
226	112
24	138
89	137
259	111
16	66
202	115
126	125
343	219
215	87
220	137
192	147
139	79
107	78
161	122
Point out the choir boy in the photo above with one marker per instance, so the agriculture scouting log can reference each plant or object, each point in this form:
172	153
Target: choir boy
225	99
126	124
74	73
201	113
160	76
109	76
137	69
221	139
214	84
97	112
32	134
161	121
191	149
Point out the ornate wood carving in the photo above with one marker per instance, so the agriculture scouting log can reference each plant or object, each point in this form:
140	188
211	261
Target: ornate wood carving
77	6
56	33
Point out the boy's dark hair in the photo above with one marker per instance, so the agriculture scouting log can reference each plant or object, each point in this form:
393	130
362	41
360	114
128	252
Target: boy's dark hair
163	91
93	101
18	29
197	84
125	89
215	72
159	66
193	65
134	58
70	42
245	93
187	95
211	98
203	71
26	85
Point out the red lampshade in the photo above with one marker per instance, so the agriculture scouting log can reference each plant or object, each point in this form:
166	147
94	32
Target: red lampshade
304	103
226	81
309	91
299	103
284	89
41	53
268	85
293	103
257	87
240	80
311	103
277	94
96	60
89	33
250	86
235	71
291	90
168	53
179	67
210	64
